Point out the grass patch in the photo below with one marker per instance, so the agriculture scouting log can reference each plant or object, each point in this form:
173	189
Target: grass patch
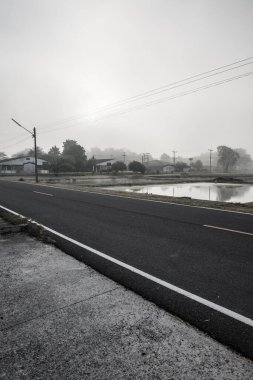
31	228
12	218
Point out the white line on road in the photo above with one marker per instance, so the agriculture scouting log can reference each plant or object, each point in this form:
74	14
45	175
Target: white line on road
150	200
158	281
39	192
140	199
229	230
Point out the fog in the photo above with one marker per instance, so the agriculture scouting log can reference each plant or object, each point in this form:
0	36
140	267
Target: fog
69	68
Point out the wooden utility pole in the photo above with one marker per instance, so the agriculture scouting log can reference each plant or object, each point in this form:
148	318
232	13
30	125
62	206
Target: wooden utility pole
35	155
35	147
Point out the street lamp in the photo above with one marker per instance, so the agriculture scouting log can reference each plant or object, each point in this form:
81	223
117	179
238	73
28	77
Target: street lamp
35	147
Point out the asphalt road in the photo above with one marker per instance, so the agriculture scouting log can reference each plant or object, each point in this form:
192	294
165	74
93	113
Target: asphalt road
177	244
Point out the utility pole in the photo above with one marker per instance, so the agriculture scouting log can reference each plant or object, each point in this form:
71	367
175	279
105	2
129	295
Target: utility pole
210	150
124	155
93	164
147	155
174	156
35	154
35	147
145	158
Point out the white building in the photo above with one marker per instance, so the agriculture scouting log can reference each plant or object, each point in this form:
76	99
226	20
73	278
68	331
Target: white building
22	165
104	165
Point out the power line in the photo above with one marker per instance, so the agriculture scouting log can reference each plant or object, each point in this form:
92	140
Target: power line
161	89
16	143
162	100
59	128
188	78
11	139
168	88
165	99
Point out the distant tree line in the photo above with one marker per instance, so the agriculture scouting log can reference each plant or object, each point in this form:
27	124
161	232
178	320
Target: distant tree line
225	159
73	158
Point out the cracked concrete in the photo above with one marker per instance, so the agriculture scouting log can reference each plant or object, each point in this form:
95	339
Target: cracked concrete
60	319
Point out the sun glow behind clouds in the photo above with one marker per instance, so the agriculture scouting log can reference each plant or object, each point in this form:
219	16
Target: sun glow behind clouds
74	60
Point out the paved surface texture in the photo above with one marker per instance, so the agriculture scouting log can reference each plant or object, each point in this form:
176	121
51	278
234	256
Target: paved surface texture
62	320
170	242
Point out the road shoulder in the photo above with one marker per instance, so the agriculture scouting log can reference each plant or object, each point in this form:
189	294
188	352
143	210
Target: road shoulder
61	319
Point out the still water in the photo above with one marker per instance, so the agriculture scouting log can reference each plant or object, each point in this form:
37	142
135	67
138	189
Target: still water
223	192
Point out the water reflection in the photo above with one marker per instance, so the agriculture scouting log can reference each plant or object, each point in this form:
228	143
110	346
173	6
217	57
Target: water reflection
207	191
226	193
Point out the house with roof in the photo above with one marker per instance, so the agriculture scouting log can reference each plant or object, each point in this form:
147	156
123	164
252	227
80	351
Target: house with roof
104	164
22	165
158	166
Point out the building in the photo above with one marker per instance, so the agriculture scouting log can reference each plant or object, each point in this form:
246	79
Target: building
158	166
104	164
22	165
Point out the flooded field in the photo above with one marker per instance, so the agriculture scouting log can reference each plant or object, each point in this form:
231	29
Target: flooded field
223	192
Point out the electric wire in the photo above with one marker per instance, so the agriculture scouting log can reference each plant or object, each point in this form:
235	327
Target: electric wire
170	87
161	100
18	142
156	91
12	139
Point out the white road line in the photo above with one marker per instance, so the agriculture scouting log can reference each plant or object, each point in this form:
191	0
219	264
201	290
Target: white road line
163	283
227	229
39	192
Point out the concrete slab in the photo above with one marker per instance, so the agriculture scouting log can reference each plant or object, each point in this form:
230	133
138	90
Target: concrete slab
60	319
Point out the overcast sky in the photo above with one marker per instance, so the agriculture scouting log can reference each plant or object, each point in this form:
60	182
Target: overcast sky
62	60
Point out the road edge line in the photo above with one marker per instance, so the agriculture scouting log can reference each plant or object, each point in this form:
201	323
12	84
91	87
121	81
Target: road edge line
228	230
158	281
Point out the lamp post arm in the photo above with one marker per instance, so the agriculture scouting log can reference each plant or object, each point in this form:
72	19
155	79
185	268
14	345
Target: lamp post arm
22	127
35	147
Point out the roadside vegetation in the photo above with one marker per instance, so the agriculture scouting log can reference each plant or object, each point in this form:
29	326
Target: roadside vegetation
26	225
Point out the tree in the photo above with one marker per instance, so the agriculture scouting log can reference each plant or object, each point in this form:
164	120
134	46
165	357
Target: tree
74	155
180	166
54	151
227	158
68	163
40	153
197	165
165	157
54	158
245	161
90	165
136	166
113	152
118	166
